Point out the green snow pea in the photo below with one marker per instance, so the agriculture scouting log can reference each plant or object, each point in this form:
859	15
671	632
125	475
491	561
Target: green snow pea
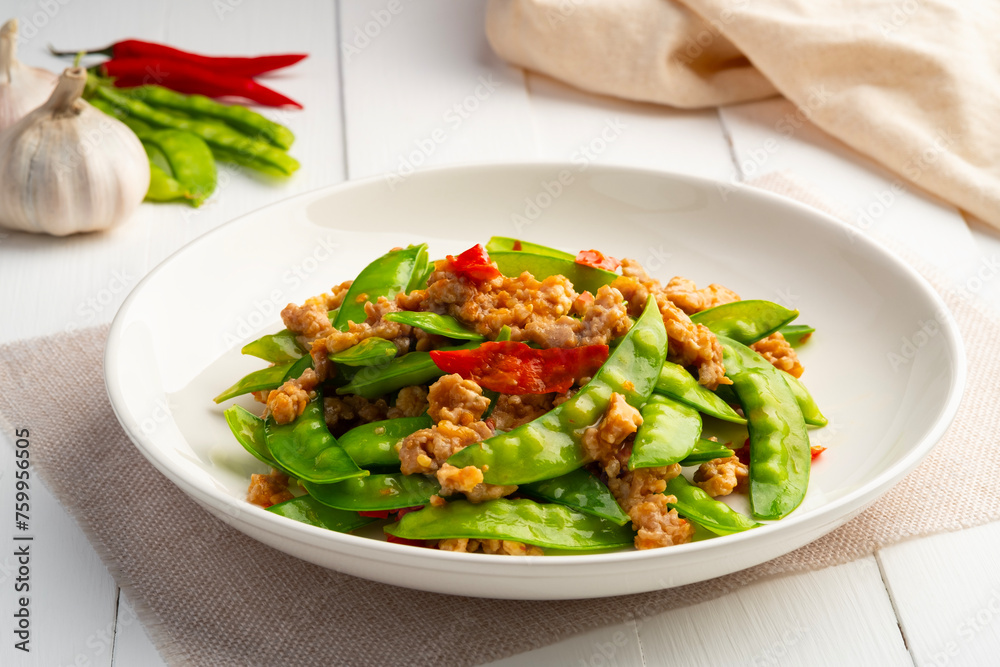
523	520
369	352
583	277
676	383
505	244
810	411
796	334
266	378
549	446
308	510
249	122
249	431
668	433
443	325
503	334
390	491
581	491
277	348
700	508
387	276
374	444
745	321
306	448
704	451
409	369
779	443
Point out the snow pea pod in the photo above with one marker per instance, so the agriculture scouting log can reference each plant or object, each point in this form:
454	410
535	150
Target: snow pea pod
810	411
583	277
676	383
779	443
796	334
506	244
745	321
704	451
310	511
668	433
409	369
249	431
698	507
369	352
390	491
306	448
265	378
386	276
549	446
443	325
523	520
581	491
277	348
374	444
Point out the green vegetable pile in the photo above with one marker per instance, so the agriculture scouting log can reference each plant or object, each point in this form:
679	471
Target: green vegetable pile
560	504
184	136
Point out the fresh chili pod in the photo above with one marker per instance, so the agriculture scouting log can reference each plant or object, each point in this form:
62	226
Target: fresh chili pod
192	79
234	65
515	368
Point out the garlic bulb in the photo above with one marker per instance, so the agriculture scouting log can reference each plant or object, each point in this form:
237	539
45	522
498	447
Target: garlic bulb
67	167
22	88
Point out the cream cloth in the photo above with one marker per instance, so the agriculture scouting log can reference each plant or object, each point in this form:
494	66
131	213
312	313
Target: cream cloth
914	84
209	595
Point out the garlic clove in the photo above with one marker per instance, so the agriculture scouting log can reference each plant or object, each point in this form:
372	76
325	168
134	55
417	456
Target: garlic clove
67	167
22	88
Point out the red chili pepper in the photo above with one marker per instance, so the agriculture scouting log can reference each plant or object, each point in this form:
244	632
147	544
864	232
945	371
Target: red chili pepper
474	264
743	453
191	79
598	260
511	367
237	66
816	450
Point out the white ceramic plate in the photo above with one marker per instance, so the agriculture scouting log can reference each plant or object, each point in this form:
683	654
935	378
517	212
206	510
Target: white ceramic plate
886	365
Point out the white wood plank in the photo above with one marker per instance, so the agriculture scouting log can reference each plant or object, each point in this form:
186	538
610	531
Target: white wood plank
772	136
611	646
946	589
425	89
132	644
574	126
837	616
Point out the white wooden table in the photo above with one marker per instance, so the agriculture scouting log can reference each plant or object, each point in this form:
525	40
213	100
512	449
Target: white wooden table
393	85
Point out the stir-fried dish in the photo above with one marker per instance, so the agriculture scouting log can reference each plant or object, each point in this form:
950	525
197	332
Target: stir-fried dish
517	399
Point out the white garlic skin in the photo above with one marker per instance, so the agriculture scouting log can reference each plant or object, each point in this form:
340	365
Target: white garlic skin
67	167
22	88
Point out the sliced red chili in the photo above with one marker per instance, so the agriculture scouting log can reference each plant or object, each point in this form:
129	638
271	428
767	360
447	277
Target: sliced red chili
474	264
598	260
816	450
510	367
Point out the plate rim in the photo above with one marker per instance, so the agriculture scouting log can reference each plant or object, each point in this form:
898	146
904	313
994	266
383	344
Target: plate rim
831	513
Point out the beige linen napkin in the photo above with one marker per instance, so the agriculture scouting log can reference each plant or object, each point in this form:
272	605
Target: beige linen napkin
914	84
209	595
